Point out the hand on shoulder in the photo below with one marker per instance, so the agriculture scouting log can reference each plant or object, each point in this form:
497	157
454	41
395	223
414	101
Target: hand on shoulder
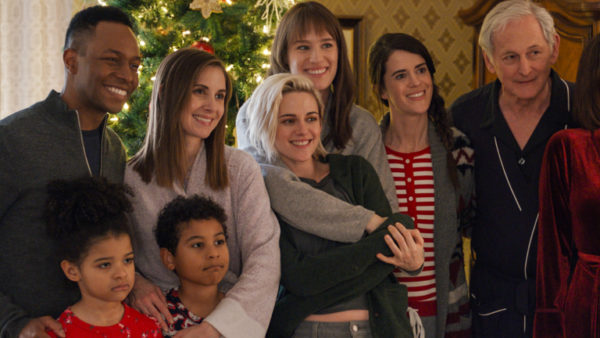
204	330
148	299
38	327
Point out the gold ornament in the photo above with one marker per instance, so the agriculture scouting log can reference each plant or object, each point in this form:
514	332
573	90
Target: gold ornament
162	31
206	6
273	8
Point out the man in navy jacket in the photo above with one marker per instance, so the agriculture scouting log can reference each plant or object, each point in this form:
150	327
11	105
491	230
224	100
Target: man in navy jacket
509	122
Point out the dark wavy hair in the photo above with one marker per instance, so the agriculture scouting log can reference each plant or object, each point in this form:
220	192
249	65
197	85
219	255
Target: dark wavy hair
298	21
85	21
378	57
586	103
80	212
181	210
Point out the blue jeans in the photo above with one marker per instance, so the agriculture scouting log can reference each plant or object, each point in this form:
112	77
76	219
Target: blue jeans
354	329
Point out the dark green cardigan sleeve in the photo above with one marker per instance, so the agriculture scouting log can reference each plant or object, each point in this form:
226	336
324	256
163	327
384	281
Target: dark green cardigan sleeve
291	310
314	282
310	275
358	178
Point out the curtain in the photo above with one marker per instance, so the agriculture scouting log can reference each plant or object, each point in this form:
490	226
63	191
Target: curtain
32	34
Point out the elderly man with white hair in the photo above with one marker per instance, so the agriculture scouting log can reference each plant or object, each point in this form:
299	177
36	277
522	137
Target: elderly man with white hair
509	123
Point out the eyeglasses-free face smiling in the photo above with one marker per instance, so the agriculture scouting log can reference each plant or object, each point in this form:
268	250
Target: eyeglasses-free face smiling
105	72
314	55
298	129
408	84
205	105
522	61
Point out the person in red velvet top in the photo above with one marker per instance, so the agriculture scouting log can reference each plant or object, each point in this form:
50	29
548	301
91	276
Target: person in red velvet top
568	258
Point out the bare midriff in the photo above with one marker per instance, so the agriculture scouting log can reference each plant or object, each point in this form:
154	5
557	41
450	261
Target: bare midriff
342	316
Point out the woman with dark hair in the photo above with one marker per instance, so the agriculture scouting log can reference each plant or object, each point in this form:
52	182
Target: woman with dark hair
568	260
309	41
184	153
432	166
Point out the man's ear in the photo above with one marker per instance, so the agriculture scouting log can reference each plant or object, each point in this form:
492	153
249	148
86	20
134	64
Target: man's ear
555	50
70	60
167	258
71	270
488	63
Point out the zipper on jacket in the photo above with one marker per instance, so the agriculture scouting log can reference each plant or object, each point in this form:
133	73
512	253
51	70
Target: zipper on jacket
83	146
102	142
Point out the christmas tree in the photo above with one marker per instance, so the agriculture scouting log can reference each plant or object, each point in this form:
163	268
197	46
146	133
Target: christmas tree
237	31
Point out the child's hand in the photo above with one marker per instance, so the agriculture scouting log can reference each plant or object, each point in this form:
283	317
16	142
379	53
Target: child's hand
37	327
148	299
204	330
407	247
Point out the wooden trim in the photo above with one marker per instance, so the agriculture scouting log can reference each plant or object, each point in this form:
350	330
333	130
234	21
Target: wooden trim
576	21
357	25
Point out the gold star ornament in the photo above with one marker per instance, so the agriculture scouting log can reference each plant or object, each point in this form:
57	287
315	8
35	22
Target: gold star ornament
206	6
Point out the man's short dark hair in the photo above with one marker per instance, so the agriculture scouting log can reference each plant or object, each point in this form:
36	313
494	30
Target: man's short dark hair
85	21
182	210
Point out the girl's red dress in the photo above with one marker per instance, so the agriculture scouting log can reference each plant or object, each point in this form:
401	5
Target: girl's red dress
133	324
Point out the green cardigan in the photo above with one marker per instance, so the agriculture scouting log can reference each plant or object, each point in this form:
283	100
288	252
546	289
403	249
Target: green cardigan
314	282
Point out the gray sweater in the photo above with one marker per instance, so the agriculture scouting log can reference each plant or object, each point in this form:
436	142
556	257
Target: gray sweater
453	214
290	197
37	145
252	281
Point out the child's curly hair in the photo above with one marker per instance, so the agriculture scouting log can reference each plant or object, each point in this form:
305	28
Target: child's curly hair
79	212
181	210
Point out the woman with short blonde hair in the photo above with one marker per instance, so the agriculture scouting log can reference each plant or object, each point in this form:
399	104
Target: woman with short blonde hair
331	288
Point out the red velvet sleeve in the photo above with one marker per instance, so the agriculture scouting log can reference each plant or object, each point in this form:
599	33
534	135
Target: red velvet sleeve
554	238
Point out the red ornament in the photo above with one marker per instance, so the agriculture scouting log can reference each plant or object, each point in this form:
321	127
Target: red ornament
205	46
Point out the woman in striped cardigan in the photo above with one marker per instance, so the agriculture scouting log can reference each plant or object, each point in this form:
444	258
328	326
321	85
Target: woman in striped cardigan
432	166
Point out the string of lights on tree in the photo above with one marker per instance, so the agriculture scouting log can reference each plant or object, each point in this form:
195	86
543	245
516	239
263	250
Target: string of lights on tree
239	32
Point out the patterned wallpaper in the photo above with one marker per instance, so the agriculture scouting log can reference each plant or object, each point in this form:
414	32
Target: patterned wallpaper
434	22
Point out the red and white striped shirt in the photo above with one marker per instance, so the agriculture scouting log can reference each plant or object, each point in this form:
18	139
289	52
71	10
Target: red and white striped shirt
413	176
